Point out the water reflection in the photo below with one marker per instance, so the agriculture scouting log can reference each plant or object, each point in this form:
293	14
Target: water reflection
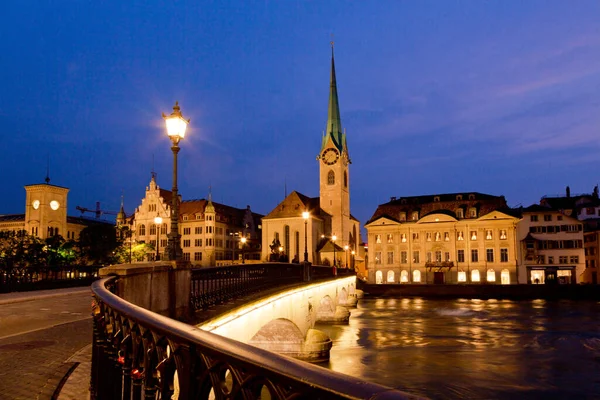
483	349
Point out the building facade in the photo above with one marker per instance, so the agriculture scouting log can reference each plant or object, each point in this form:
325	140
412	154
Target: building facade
211	233
332	233
443	239
551	247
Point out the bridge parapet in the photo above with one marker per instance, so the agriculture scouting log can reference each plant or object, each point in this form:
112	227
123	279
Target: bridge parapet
139	353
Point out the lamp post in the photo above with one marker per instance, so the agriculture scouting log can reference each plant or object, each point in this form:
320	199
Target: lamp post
157	222
333	239
305	215
243	240
176	126
346	248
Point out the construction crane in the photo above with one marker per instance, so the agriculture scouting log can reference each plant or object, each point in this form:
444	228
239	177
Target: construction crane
97	211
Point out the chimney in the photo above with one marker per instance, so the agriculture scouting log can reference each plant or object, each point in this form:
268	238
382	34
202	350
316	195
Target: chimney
393	198
568	192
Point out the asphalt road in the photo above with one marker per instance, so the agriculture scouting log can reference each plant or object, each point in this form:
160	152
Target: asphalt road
37	337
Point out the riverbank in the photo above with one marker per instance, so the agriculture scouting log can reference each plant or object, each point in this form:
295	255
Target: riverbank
483	291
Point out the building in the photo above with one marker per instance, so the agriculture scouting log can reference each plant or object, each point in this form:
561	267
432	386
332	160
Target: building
331	233
550	246
46	214
447	238
211	233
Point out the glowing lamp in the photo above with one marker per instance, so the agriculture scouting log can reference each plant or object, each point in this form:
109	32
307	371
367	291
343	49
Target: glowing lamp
176	124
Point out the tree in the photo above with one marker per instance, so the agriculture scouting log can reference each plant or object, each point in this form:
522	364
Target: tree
97	244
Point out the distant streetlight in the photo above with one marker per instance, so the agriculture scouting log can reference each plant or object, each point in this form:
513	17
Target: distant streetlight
243	240
176	127
305	215
157	221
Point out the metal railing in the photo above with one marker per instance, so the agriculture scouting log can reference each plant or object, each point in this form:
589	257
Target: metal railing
139	354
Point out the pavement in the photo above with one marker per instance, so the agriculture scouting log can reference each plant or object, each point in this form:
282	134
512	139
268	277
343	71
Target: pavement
31	359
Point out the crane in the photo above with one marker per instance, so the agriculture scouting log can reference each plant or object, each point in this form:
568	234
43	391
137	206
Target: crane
97	211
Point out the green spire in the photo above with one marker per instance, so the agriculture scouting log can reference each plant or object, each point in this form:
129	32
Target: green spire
334	122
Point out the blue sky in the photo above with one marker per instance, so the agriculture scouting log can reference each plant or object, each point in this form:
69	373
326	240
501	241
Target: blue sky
500	97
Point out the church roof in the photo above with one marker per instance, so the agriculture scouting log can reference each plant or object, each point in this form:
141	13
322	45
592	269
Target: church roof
294	205
334	130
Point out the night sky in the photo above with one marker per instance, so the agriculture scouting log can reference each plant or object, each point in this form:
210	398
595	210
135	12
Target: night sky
499	97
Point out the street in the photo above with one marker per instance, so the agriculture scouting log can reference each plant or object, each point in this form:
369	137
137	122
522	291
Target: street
37	337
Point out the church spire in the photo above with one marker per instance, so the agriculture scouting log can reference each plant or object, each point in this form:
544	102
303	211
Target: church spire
334	122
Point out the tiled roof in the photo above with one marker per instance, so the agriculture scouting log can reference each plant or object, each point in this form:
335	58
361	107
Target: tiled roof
198	206
12	217
294	205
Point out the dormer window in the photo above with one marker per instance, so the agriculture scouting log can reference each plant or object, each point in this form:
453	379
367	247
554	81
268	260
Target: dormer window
436	198
415	215
471	197
402	216
460	213
473	212
185	217
459	197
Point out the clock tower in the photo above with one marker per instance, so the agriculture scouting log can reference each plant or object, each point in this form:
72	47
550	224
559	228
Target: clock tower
334	162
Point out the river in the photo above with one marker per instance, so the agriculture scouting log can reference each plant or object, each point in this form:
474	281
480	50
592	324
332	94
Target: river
476	349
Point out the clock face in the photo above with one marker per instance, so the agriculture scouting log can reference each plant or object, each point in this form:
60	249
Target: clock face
54	205
330	156
36	204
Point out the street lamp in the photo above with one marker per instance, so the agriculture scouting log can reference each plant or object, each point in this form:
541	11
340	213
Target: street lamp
346	248
243	240
157	222
176	126
305	215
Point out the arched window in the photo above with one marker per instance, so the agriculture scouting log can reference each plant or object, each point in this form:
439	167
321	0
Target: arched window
462	276
142	230
331	178
379	277
404	276
152	229
390	277
491	275
416	275
345	179
505	277
475	275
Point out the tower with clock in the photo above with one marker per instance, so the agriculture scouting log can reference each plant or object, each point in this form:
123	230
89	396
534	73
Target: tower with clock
46	210
334	162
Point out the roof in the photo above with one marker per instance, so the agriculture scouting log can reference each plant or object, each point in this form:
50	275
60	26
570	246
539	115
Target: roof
12	218
47	184
446	203
88	221
233	214
333	129
294	205
538	208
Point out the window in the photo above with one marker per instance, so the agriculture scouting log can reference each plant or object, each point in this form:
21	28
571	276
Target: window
403	237
415	236
415	215
331	178
163	229
502	234
574	260
186	243
446	237
185	218
186	256
379	277
416	276
163	242
187	231
428	257
503	255
152	207
505	277
473	235
537	277
460	256
438	237
559	218
459	235
142	230
377	238
533	218
563	260
541	259
428	236
438	256
475	276
345	179
488	234
547	217
404	257
390	257
462	276
152	229
390	238
474	256
402	216
491	275
197	256
416	257
447	256
473	212
460	213
489	255
198	242
550	259
404	276
390	277
378	257
198	216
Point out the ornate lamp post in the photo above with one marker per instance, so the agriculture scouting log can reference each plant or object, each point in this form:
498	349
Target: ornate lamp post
346	247
176	126
243	240
157	222
305	215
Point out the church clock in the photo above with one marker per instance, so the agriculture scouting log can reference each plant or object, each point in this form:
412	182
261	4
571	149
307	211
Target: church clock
330	156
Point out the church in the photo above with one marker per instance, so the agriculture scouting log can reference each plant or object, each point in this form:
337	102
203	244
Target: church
320	229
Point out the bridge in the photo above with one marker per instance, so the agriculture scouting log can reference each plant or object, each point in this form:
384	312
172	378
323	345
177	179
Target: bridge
249	317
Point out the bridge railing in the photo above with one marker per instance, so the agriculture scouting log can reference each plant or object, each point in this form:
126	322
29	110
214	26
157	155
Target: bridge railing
140	354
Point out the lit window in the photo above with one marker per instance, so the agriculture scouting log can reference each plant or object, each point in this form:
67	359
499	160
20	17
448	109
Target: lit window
491	275
475	276
377	257
502	234
473	235
416	276
390	277
459	236
537	277
488	234
415	215
429	236
446	237
390	238
403	238
404	276
438	237
379	277
377	238
505	277
462	276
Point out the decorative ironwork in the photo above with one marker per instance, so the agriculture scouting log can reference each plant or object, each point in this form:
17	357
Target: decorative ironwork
139	353
439	264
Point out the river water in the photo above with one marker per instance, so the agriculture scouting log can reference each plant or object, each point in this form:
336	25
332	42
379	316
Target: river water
476	349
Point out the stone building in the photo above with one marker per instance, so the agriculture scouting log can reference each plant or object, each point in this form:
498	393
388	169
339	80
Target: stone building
211	233
331	231
447	238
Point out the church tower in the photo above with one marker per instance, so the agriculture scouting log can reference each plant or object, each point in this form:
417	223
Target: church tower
334	162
